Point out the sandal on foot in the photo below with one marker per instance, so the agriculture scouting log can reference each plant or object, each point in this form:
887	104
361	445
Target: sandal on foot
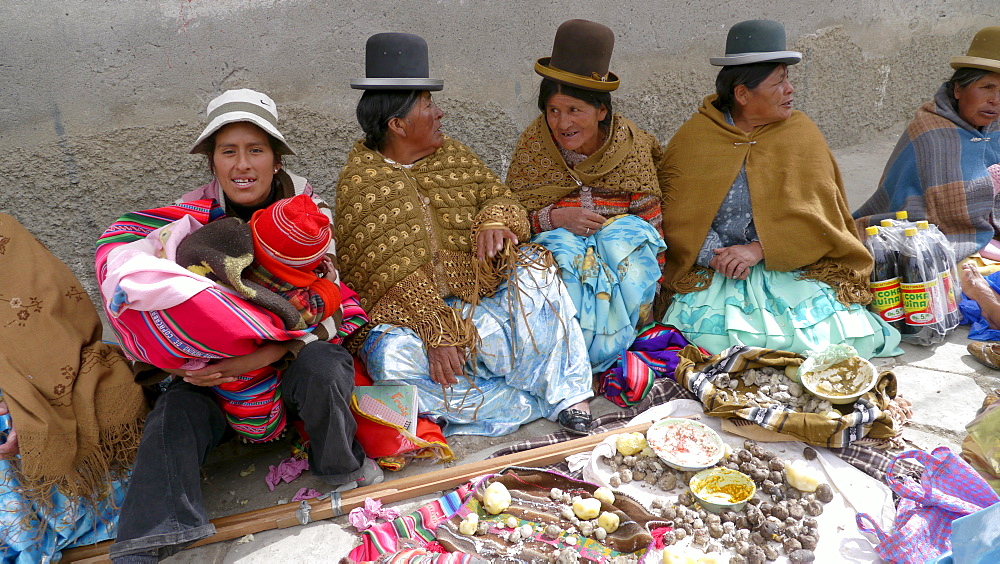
986	352
575	421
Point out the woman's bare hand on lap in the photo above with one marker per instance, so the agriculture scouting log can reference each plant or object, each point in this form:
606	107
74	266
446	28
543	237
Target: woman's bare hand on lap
578	221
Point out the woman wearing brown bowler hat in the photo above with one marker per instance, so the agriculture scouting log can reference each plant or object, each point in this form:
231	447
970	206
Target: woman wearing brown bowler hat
590	181
429	238
763	250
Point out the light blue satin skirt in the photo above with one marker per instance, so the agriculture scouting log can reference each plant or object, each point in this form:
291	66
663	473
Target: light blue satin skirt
531	362
31	534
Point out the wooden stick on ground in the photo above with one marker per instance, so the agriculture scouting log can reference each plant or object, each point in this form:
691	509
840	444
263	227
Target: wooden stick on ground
284	516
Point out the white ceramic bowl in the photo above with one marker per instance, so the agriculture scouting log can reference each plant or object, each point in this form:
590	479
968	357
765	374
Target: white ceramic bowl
717	489
685	444
863	378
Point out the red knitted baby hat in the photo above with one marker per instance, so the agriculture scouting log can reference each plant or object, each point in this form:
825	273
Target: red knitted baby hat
293	232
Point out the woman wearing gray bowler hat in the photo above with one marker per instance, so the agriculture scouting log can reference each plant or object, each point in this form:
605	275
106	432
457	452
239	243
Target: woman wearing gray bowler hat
429	237
762	248
308	378
590	181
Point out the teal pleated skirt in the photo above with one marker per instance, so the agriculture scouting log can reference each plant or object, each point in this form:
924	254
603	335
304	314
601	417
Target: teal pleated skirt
777	310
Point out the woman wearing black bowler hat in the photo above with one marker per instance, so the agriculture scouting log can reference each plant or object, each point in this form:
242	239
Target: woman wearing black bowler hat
763	250
429	238
590	181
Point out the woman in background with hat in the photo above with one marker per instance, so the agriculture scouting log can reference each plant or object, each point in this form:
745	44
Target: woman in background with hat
763	250
590	181
429	238
941	167
163	316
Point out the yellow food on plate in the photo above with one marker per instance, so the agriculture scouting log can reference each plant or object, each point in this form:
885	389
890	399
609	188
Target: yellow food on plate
630	443
496	498
608	521
802	477
605	495
586	508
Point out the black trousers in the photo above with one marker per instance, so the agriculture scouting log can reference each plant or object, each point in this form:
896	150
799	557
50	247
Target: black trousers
163	510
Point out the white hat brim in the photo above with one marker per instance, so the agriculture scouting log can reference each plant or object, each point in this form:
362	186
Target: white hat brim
397	83
787	57
234	117
992	65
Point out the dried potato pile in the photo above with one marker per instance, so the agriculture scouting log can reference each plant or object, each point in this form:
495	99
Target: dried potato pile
773	387
784	521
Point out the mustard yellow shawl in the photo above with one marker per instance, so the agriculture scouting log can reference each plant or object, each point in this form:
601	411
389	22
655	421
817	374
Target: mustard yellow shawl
73	400
798	200
627	162
405	238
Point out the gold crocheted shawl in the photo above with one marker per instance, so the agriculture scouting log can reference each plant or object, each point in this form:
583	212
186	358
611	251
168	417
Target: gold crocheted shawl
627	162
73	400
798	200
405	238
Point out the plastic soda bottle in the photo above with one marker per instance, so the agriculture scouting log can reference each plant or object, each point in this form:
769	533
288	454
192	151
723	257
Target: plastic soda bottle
887	300
922	306
943	256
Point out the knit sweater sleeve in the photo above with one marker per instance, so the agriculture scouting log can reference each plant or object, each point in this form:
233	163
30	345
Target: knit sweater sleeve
499	205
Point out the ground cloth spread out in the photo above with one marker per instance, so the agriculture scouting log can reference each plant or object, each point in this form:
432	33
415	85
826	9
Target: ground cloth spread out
853	490
867	418
421	524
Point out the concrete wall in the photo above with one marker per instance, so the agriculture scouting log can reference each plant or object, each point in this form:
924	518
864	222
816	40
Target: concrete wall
101	99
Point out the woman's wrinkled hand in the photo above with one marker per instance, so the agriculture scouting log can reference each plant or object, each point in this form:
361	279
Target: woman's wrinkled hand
446	364
578	221
9	446
735	261
227	370
489	242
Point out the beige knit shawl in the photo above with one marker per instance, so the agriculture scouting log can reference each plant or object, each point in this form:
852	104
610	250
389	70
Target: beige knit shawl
628	162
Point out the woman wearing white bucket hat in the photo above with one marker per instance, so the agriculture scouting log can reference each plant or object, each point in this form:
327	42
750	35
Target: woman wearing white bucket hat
162	512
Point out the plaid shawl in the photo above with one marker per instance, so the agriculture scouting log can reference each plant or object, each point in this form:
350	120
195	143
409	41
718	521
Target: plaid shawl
938	172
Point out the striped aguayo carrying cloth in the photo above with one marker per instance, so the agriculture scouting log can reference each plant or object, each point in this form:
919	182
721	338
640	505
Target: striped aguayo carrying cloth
212	324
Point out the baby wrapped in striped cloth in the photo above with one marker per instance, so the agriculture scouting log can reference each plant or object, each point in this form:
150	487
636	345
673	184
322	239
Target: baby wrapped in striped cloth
227	287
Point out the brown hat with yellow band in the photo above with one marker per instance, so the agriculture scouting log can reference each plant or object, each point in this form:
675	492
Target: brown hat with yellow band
581	54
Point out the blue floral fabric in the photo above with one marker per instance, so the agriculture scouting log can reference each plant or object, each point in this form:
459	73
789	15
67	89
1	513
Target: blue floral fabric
31	534
531	360
777	310
612	277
